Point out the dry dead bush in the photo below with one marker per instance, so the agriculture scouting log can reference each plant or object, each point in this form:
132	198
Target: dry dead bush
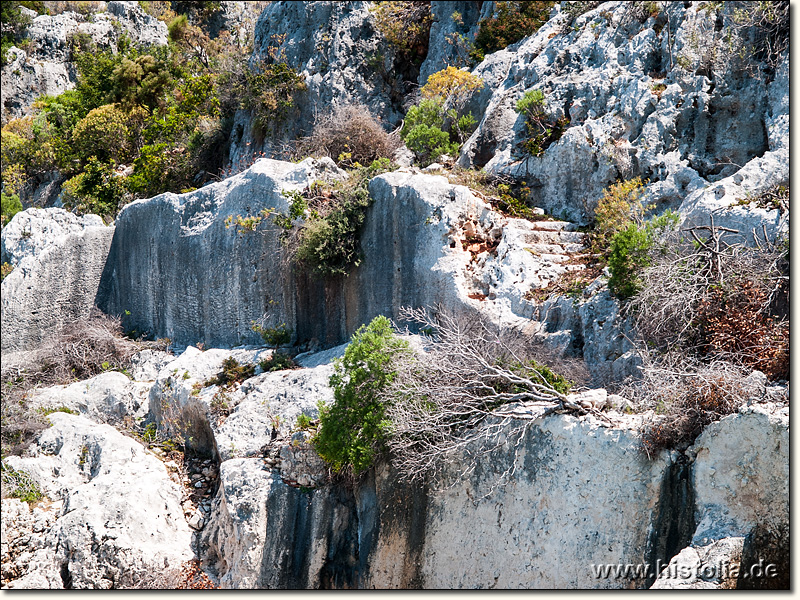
686	397
86	348
715	299
189	576
451	404
348	134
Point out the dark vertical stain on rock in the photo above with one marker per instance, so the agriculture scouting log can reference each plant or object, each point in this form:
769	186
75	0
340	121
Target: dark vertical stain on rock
674	521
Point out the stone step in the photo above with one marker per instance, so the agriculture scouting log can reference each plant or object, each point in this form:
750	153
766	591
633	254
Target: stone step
553	225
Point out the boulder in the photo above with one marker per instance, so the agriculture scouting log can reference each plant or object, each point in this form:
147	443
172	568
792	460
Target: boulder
100	539
106	398
58	259
741	473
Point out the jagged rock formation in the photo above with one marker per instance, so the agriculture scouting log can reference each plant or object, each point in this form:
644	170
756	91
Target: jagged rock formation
319	40
58	259
727	132
260	508
99	538
45	67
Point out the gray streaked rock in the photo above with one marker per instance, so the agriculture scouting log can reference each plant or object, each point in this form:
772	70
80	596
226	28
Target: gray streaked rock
320	41
58	259
741	473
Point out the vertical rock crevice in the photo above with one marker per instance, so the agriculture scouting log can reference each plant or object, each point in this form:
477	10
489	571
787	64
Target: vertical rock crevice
674	519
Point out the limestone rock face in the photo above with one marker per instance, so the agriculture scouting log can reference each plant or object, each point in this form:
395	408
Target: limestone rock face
704	568
741	473
445	32
321	41
100	538
226	278
631	113
46	67
425	242
58	259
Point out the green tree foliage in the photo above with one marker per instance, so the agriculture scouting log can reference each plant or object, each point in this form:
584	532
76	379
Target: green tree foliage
165	111
354	427
631	252
405	25
10	206
97	189
512	22
109	133
437	125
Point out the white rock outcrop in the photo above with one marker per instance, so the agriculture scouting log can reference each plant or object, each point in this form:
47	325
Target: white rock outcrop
58	260
634	111
100	538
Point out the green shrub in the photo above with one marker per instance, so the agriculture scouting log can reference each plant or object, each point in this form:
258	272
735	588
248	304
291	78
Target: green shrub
329	243
109	133
273	336
540	372
353	429
277	362
513	22
232	372
19	484
271	94
427	112
430	143
620	204
59	409
304	423
97	190
10	206
13	26
405	25
429	130
542	129
630	253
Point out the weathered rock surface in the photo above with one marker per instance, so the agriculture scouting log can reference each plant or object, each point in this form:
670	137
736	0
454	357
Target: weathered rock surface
58	259
319	41
413	255
741	473
106	398
101	539
708	567
447	34
697	130
225	278
46	66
